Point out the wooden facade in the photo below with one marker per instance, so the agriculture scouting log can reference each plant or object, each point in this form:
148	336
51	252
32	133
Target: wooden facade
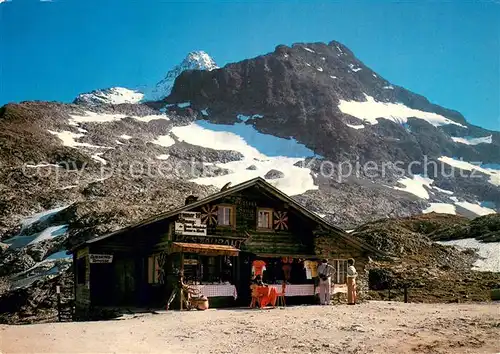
211	240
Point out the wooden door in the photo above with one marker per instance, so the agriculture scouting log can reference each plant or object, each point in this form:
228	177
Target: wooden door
125	285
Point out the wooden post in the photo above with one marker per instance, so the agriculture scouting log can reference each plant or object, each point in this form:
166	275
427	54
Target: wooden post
236	272
181	297
59	305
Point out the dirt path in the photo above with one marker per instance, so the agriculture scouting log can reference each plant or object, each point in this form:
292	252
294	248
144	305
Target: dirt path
375	327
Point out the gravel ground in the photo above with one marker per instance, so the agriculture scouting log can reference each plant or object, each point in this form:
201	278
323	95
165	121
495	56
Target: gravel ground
373	327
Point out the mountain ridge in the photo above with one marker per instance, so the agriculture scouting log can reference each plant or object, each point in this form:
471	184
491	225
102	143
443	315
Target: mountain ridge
292	116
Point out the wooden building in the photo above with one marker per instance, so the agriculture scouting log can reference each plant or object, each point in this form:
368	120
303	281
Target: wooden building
214	243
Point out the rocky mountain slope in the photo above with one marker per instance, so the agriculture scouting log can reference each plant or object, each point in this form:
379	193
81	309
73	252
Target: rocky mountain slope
434	272
300	117
113	95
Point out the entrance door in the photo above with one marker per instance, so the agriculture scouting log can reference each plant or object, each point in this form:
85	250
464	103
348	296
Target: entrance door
245	277
101	284
125	285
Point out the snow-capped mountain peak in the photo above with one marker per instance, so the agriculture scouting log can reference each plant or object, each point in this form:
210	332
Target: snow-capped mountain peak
197	60
113	95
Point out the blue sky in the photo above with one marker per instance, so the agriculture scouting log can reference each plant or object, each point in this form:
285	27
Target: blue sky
449	52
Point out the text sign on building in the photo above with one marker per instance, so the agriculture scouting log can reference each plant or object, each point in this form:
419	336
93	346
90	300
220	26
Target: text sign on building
190	262
210	240
189	224
101	258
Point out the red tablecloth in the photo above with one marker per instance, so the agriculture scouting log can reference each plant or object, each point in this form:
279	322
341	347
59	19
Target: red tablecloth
268	295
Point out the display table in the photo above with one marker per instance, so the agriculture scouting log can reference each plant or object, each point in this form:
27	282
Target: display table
308	289
216	290
296	289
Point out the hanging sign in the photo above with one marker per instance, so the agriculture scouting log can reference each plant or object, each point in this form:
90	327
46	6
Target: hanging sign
101	258
189	224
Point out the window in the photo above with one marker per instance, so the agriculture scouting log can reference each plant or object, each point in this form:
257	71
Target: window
225	215
340	266
265	219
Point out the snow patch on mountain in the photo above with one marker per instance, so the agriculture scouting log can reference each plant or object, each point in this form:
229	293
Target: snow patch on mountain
267	144
462	165
353	68
70	139
358	126
47	234
476	208
473	141
49	267
164	140
93	117
489	253
113	95
198	60
265	152
443	208
443	190
416	185
39	217
467	166
371	110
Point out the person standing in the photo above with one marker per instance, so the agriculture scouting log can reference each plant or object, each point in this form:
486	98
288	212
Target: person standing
325	272
287	268
351	282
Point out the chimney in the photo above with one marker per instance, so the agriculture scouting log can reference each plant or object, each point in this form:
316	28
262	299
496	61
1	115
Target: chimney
190	199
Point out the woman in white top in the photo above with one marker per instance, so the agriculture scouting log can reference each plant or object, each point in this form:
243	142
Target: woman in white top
351	282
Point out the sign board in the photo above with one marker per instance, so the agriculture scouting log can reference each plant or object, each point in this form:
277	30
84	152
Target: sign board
190	216
190	262
101	258
189	224
211	240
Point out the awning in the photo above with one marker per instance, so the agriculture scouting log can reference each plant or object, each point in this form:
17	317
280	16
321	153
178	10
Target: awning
205	249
